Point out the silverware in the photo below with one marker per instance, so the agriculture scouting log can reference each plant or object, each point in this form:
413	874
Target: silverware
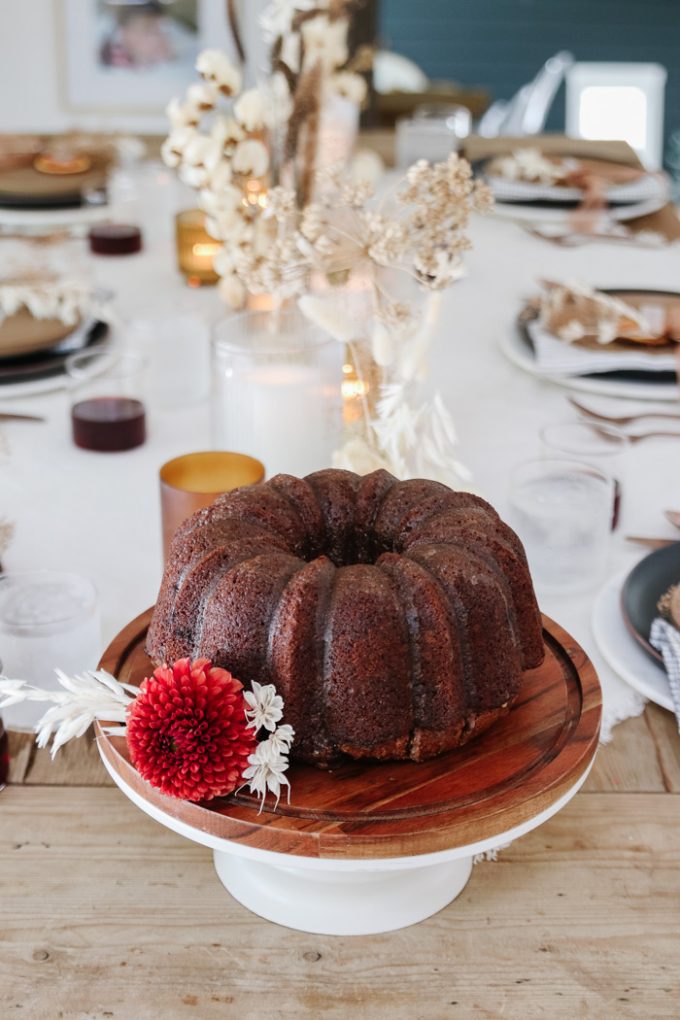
652	543
622	419
596	427
575	239
9	416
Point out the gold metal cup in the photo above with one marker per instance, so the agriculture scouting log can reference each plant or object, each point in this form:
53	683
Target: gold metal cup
195	480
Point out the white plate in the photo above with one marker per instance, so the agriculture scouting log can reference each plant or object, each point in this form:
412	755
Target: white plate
32	220
516	349
641	190
543	214
620	649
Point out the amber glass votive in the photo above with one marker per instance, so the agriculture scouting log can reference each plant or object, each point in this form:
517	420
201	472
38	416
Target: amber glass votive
195	480
196	249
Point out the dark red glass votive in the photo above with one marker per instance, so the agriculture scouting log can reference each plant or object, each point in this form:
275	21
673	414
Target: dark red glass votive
115	239
108	424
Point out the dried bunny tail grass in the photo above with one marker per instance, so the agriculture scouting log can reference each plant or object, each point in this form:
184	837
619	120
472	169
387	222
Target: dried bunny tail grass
6	534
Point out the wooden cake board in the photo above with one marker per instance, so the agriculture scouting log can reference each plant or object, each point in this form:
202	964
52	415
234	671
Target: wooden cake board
372	847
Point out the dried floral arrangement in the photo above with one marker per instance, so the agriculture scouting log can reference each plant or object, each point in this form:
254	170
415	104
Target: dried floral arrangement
192	730
296	230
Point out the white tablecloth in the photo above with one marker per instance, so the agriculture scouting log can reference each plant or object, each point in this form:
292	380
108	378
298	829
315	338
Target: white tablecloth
98	514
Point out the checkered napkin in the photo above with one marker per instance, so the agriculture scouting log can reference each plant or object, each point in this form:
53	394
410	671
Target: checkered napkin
666	638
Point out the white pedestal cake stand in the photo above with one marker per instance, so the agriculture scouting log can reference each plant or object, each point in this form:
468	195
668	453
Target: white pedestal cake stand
370	848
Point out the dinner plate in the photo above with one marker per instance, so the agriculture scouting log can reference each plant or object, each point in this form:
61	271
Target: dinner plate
622	652
561	214
641	189
636	385
44	370
643	588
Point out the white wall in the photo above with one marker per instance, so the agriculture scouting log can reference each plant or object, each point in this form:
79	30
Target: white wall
29	84
32	87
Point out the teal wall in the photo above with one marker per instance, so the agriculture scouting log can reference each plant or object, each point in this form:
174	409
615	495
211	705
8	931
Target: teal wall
500	44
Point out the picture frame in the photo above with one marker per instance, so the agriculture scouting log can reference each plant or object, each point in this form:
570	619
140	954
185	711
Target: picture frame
124	61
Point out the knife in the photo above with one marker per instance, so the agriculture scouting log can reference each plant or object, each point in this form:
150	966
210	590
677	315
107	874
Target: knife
652	543
9	416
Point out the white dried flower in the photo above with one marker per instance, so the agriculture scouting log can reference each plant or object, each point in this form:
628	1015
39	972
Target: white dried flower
266	771
182	114
219	181
359	456
251	159
249	110
226	131
172	149
265	706
281	739
84	698
330	314
202	96
325	42
383	344
277	18
231	290
350	86
215	66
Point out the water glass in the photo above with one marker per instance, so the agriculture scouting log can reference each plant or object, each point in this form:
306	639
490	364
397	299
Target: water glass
177	349
561	509
48	619
601	445
433	133
106	386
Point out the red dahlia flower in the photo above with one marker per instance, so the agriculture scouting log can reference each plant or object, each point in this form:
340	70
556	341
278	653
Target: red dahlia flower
187	731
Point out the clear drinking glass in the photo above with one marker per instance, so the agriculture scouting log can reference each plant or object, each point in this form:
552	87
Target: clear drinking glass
277	390
433	133
48	619
106	387
601	445
561	509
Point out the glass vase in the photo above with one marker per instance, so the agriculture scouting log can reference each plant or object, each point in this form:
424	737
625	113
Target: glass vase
277	390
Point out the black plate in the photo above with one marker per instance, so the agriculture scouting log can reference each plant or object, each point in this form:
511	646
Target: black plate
621	375
643	588
44	364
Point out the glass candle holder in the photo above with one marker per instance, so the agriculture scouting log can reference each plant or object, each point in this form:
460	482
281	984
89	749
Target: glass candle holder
48	620
277	390
107	411
195	480
196	249
561	509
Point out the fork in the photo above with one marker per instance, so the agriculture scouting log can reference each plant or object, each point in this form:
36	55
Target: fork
623	419
631	438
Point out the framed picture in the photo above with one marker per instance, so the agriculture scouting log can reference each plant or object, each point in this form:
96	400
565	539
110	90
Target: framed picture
130	57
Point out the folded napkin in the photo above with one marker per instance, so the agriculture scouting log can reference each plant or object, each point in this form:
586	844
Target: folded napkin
666	638
556	357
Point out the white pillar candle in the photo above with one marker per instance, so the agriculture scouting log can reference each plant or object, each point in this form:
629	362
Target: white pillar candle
285	409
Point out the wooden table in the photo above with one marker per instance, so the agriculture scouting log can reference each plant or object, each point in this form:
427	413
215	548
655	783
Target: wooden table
104	913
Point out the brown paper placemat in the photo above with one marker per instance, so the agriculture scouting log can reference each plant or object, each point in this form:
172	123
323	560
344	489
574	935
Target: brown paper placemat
665	221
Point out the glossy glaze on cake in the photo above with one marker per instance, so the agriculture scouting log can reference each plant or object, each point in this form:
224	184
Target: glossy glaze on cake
395	618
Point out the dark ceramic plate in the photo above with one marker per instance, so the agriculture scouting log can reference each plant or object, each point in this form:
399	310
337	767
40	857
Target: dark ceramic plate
621	375
643	588
44	364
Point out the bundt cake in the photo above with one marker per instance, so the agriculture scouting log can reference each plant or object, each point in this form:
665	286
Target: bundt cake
395	618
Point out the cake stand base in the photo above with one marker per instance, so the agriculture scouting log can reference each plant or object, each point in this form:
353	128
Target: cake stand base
340	902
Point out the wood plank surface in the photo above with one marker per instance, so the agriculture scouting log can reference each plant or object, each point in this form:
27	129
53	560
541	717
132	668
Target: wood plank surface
106	914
